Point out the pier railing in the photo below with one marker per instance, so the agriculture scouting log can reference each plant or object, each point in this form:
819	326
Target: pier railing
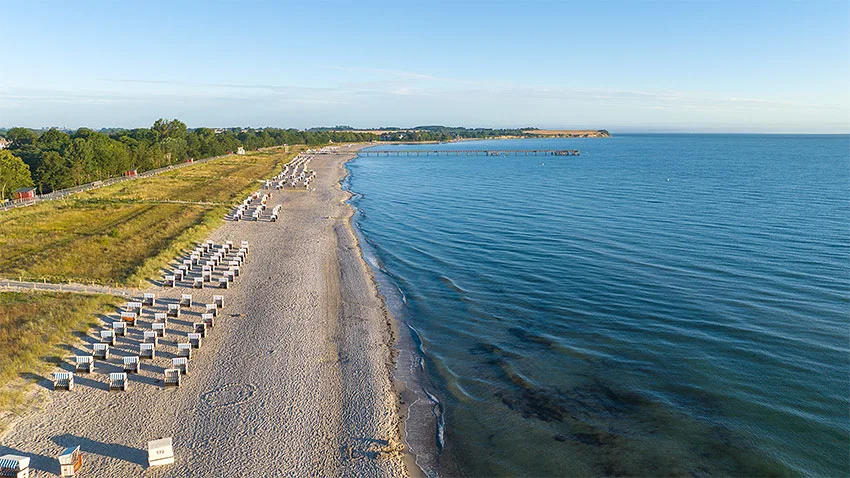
471	152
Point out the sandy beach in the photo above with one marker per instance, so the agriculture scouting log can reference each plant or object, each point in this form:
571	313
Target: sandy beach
295	379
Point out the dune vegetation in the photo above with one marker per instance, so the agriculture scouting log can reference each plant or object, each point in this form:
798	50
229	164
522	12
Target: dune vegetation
33	325
124	233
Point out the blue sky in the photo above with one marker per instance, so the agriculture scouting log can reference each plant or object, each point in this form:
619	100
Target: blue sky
707	66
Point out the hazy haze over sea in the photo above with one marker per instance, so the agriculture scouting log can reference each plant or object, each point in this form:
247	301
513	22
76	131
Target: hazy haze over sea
662	304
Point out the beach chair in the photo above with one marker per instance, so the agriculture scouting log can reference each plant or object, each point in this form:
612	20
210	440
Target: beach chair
107	337
120	329
147	351
229	275
194	339
171	377
198	283
170	280
63	381
158	329
70	461
84	363
161	317
223	283
160	452
149	299
131	364
118	381
186	300
187	264
208	319
200	328
129	318
134	307
212	309
100	351
181	364
150	337
184	349
179	274
173	311
235	270
218	300
16	466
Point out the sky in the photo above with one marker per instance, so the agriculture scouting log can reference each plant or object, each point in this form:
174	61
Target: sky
634	66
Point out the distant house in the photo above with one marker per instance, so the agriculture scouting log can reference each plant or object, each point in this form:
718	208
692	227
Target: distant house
24	194
241	150
4	143
131	173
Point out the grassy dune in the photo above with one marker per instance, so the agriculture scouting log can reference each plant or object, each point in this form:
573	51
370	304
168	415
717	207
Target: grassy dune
32	327
123	234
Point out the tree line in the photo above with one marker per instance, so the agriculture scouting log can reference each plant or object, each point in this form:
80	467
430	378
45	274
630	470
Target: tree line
55	159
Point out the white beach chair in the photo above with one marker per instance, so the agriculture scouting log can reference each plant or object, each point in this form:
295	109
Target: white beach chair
158	329
100	351
181	364
107	337
194	339
198	283
147	351
211	309
150	337
186	300
84	363
208	319
218	300
15	466
170	280
131	364
173	310
200	328
223	283
70	461
63	381
184	349
149	299
118	381
171	377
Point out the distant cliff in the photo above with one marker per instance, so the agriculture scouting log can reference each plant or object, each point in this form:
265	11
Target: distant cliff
568	133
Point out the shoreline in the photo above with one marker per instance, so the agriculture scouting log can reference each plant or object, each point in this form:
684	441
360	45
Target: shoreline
295	378
421	412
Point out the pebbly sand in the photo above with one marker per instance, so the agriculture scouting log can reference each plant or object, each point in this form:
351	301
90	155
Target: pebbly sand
294	380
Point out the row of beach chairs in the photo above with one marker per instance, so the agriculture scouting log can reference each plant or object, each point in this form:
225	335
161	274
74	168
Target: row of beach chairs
205	262
64	380
160	452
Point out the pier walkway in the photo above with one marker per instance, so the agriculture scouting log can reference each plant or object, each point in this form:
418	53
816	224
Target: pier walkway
472	152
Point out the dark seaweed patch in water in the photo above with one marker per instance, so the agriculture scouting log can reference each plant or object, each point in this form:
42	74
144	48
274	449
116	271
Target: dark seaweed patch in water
525	337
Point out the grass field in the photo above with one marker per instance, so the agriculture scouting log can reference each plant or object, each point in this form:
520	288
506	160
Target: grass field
33	327
122	234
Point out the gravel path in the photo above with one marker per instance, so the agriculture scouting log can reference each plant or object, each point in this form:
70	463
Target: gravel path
295	378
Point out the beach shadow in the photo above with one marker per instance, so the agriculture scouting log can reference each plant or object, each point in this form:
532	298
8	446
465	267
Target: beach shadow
83	381
37	462
40	380
113	450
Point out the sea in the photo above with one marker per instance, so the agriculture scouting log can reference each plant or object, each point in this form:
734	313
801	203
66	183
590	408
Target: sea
661	305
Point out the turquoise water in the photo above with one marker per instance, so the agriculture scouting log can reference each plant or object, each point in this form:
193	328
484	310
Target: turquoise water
660	305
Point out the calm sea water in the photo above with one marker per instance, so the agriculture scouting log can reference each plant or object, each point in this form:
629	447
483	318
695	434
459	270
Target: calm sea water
660	305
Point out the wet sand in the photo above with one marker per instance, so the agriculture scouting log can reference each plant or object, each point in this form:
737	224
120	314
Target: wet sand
294	379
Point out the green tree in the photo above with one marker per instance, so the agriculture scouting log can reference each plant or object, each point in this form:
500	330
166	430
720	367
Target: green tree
54	172
14	174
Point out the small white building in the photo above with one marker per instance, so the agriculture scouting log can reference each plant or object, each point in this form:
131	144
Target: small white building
241	150
4	143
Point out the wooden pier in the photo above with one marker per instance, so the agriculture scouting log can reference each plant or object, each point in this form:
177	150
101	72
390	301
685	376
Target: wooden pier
471	152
